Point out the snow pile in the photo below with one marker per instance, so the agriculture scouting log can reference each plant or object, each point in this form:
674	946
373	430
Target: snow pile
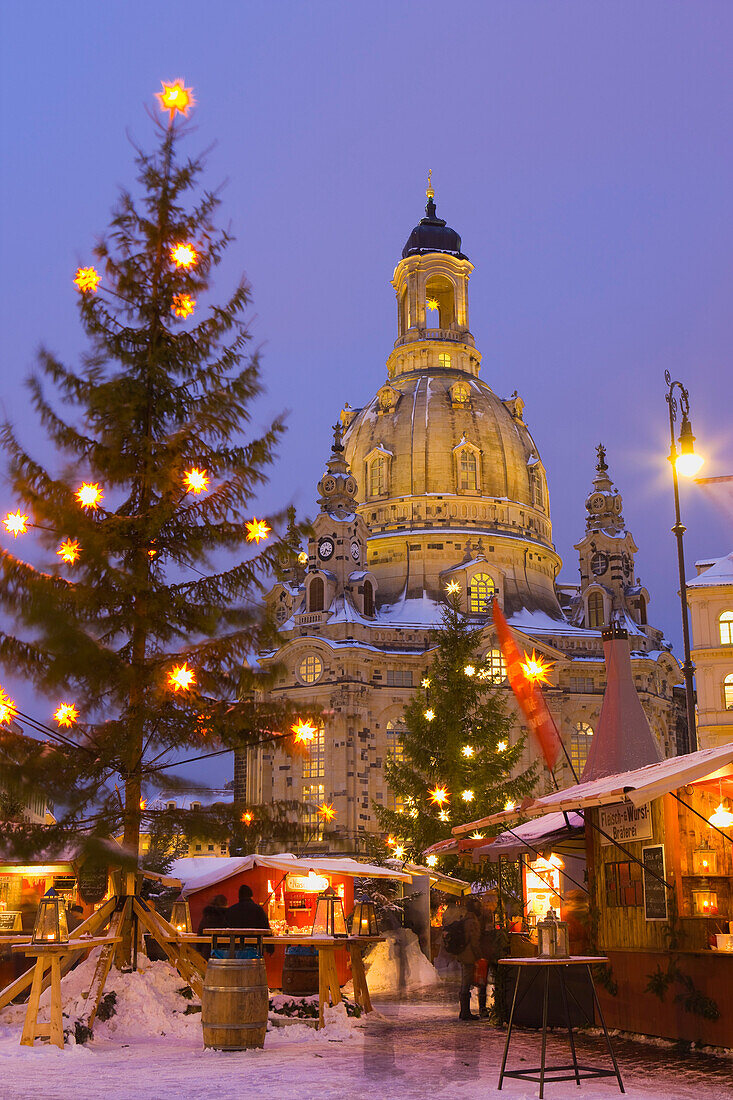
398	964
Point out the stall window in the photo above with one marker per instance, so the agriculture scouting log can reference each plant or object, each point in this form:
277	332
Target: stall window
481	591
580	742
623	885
314	763
726	628
728	692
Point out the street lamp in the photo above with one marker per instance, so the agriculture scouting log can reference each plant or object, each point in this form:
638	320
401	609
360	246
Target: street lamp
687	463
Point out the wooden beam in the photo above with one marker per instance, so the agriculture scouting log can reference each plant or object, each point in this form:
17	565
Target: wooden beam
120	917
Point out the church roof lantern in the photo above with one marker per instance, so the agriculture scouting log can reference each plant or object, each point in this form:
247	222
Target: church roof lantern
604	502
432	234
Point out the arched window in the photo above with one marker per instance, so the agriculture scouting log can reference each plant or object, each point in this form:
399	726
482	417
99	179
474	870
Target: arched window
396	749
378	476
480	592
439	302
495	666
310	669
536	488
315	594
368	598
596	614
460	394
728	692
580	741
641	609
726	628
467	470
314	764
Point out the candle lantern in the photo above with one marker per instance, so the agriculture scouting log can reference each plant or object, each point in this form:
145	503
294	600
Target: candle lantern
704	861
181	915
552	936
51	926
330	919
364	918
705	903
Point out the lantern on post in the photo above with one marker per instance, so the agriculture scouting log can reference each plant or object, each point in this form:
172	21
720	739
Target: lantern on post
364	918
181	915
552	937
329	919
51	926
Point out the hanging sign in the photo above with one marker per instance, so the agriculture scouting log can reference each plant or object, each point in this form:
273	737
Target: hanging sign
625	822
655	892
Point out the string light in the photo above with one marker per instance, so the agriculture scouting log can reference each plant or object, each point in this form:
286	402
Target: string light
8	709
69	551
467	796
175	97
467	751
184	254
429	715
16	523
439	796
257	529
247	817
66	714
183	305
469	670
304	731
536	669
89	495
87	279
195	480
181	678
327	811
431	861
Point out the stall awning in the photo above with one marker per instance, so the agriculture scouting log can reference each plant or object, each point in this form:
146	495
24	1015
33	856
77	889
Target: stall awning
532	838
638	786
196	873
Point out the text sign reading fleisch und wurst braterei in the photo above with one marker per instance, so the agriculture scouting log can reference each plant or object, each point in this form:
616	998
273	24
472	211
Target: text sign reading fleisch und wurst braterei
624	822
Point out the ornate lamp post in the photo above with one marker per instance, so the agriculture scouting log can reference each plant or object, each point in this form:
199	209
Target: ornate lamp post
685	462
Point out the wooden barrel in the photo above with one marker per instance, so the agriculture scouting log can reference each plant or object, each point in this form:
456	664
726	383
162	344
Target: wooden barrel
300	975
234	1004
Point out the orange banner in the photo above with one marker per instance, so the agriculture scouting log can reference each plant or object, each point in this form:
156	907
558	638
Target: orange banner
528	695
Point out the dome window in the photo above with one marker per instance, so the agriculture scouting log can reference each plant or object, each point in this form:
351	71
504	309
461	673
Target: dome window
460	395
467	467
481	591
310	669
444	359
377	473
387	400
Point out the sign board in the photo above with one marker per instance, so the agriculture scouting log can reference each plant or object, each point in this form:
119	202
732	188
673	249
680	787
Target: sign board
92	883
625	822
11	921
655	892
306	884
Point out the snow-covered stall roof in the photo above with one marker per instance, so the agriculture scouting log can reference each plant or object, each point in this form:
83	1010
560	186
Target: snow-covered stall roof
529	837
638	786
196	873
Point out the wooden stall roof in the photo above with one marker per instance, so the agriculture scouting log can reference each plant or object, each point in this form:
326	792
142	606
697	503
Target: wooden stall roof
638	786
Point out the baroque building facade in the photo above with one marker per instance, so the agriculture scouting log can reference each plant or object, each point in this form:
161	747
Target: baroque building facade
710	599
438	479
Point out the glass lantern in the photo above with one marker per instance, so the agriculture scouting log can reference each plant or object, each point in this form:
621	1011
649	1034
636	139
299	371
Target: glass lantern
329	919
364	918
704	861
705	903
51	926
181	915
552	937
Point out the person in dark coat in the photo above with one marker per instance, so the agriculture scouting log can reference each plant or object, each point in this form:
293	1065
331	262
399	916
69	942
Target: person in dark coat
246	913
460	913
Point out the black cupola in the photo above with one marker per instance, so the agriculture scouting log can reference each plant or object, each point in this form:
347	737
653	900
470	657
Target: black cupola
431	234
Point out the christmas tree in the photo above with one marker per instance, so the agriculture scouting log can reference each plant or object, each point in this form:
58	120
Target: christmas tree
139	623
455	762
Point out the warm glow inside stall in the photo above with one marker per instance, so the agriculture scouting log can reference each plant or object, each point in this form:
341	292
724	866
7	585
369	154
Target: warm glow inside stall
287	887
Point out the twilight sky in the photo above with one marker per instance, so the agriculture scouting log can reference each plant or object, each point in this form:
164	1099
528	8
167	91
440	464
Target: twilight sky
583	151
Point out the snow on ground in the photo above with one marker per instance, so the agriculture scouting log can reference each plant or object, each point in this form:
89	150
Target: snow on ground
411	1048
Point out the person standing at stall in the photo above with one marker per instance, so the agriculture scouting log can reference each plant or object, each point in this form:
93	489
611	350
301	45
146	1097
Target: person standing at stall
246	913
462	939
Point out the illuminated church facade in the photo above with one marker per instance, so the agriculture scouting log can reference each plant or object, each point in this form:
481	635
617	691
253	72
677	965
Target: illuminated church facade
437	479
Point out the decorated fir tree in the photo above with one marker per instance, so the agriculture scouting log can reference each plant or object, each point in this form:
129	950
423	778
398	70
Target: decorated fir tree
456	762
138	621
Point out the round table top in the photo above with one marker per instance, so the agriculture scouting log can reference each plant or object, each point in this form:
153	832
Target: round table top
545	960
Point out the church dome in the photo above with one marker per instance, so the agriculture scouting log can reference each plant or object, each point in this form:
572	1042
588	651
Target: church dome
431	234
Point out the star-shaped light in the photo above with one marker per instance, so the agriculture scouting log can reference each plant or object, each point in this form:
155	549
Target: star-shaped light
184	254
304	731
399	851
439	796
69	551
195	480
432	303
390	841
477	836
175	97
444	815
429	715
183	305
256	529
467	796
431	860
467	751
182	677
426	683
89	495
469	670
501	746
453	588
247	817
8	709
536	669
143	803
66	714
87	279
16	523
327	812
509	805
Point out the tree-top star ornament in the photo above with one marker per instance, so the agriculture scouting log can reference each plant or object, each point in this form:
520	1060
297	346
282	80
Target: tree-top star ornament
176	98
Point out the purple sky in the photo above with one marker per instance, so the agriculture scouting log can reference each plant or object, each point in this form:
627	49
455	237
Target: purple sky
583	151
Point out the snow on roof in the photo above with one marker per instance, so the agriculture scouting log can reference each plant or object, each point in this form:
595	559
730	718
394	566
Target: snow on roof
637	786
418	611
532	836
539	622
720	573
197	873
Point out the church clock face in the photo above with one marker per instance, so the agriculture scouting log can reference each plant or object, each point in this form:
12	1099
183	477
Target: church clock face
599	563
355	551
325	549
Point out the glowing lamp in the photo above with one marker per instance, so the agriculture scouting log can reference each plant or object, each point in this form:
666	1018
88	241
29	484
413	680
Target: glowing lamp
431	860
327	812
257	529
143	803
469	670
439	796
8	709
87	280
467	751
66	714
247	817
509	805
688	463
303	557
51	926
195	480
705	861
329	919
183	305
425	683
467	796
181	915
364	918
304	731
16	524
721	817
89	495
444	815
536	669
705	903
184	255
181	678
552	937
69	551
429	715
453	588
477	836
399	851
175	97
501	746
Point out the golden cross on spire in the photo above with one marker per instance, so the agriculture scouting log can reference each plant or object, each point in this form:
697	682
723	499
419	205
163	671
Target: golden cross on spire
430	192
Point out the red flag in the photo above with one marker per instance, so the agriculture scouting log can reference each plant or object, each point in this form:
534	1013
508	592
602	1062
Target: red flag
528	695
